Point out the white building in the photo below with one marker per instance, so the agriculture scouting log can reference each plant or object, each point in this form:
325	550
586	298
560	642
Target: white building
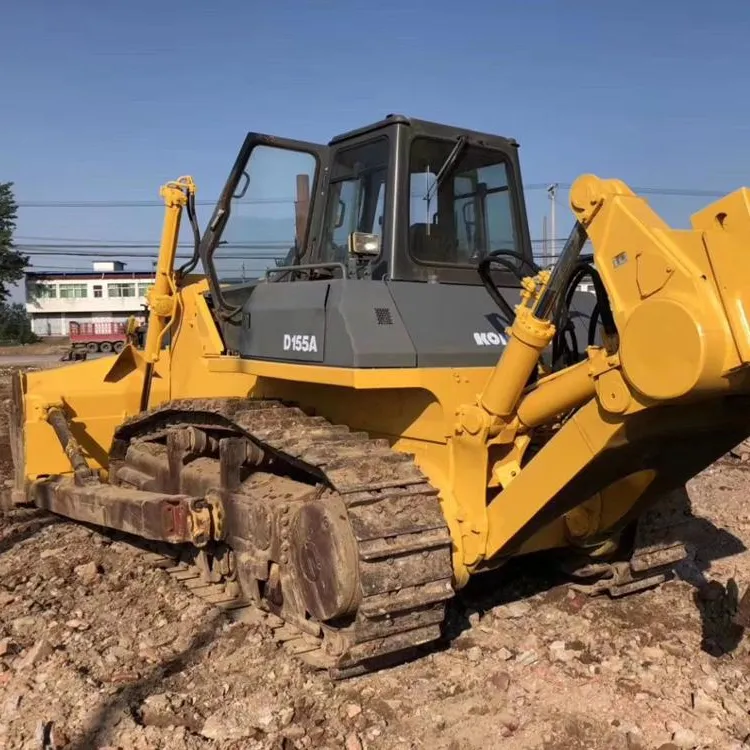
108	294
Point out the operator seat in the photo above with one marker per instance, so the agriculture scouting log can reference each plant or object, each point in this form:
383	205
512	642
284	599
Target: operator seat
433	243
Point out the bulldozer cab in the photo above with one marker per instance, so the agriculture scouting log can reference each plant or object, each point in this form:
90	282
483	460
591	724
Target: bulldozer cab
388	225
413	200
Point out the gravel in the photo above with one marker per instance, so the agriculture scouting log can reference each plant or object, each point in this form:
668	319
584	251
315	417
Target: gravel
98	650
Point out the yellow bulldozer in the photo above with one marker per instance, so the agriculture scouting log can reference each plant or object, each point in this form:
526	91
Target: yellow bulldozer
409	400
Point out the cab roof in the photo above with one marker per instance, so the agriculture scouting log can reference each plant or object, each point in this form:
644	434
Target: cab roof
422	127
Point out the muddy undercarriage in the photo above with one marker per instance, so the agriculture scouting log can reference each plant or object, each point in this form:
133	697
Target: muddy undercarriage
340	540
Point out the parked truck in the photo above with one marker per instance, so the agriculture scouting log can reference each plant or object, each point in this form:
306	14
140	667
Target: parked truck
98	337
90	338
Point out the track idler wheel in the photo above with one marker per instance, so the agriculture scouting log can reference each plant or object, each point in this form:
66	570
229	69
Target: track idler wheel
324	559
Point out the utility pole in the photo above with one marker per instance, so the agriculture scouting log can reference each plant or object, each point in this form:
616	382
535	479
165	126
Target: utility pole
552	192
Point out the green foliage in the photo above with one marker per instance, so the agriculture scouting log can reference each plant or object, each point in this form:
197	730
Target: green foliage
15	325
12	263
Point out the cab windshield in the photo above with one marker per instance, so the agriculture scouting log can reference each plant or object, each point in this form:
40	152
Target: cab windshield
461	205
268	214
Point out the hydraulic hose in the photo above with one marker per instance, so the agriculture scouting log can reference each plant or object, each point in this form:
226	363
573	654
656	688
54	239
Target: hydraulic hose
500	258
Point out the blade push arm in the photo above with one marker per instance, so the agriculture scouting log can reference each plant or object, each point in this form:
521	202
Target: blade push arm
668	291
679	302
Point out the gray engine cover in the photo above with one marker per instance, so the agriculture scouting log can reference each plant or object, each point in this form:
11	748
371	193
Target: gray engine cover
371	324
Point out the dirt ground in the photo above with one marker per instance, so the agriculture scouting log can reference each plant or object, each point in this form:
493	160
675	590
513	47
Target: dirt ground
49	345
98	650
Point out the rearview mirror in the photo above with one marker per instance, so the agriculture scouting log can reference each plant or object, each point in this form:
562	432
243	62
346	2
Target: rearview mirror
361	243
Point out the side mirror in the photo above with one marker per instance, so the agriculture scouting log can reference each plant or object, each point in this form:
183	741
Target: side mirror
363	244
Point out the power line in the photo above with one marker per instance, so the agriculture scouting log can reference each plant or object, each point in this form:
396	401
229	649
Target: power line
666	191
95	248
138	204
681	192
149	249
157	203
152	256
72	242
62	270
77	240
250	257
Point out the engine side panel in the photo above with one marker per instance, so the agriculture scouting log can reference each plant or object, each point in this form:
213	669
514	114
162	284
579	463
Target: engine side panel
285	321
452	325
374	324
364	328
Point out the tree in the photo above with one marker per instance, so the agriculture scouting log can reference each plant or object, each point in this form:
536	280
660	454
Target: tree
15	325
12	263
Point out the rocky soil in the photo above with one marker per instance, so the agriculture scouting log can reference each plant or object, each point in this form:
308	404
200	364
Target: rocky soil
99	650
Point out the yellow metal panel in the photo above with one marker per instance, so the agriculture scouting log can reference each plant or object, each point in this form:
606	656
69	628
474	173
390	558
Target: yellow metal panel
211	343
725	225
673	332
96	406
577	442
352	377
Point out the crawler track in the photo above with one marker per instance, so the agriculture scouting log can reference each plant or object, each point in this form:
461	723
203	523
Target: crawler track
398	573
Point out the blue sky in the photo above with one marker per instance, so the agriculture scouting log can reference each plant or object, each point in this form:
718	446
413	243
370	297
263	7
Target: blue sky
106	101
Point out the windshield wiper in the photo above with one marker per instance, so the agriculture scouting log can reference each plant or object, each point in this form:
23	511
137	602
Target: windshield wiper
448	165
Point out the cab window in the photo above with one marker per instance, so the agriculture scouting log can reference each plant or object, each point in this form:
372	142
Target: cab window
469	213
356	198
